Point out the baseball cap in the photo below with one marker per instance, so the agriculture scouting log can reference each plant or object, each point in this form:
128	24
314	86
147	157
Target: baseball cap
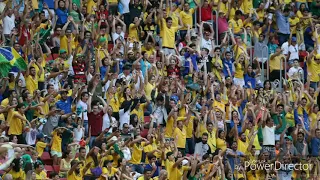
62	51
40	135
288	137
294	39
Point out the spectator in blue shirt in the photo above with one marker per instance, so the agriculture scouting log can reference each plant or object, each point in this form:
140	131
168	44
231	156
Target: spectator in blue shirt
308	40
234	156
250	76
65	102
315	144
283	25
61	10
227	64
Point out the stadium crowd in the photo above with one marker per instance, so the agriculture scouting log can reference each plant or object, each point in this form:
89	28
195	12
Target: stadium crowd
159	90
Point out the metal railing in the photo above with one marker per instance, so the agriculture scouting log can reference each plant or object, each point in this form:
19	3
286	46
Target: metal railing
251	50
195	18
267	62
281	69
216	24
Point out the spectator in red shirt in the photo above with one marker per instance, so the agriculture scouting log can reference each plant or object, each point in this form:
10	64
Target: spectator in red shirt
103	13
223	25
206	11
79	67
95	115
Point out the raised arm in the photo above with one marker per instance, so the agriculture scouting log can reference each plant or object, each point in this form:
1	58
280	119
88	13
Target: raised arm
91	94
124	26
29	66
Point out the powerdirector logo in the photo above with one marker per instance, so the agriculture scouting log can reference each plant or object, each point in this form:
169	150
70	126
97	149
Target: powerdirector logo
262	165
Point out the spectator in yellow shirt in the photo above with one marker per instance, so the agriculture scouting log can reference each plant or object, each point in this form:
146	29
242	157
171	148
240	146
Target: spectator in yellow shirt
236	24
41	145
32	77
75	173
68	35
187	19
38	169
135	29
108	171
56	150
168	34
147	174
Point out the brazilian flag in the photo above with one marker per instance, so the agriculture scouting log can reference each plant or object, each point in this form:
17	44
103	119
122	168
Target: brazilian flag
43	35
9	57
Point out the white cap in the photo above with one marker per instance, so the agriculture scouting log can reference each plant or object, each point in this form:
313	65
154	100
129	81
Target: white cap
184	162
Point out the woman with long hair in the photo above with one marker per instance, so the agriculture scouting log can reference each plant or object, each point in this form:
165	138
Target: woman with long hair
65	164
15	169
92	157
75	12
61	10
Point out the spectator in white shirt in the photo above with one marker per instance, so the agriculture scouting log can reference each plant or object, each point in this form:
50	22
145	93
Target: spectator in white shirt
137	75
202	148
82	108
285	48
295	71
293	51
8	17
206	37
126	73
118	30
268	130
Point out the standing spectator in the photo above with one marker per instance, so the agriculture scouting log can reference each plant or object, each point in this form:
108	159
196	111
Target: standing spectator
282	17
82	110
275	64
61	10
9	17
95	116
313	63
293	51
118	30
268	130
206	11
202	148
315	143
168	39
187	19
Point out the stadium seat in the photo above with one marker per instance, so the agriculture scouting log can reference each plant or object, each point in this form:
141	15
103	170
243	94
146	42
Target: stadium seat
144	133
46	158
52	57
56	168
28	152
49	169
146	119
